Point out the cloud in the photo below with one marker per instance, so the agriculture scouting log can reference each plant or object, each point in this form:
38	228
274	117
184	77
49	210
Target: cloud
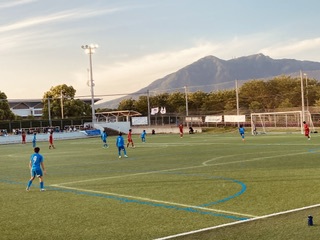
15	3
60	16
298	49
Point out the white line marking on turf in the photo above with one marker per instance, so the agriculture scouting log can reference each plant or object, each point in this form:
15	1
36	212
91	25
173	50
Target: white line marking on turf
253	159
204	164
167	170
157	201
239	222
137	174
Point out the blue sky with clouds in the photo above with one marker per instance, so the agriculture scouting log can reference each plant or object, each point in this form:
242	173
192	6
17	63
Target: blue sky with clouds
142	40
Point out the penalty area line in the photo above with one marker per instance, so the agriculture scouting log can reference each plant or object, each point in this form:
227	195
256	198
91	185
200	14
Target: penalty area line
239	222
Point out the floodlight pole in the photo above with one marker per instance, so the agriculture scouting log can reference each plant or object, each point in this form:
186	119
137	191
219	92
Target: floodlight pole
49	112
302	98
148	101
237	99
187	105
90	49
307	95
61	103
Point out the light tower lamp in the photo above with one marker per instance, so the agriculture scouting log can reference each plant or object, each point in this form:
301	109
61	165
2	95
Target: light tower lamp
90	49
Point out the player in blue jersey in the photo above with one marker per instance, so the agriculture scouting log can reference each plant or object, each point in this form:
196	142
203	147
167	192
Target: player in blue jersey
104	136
143	136
34	140
241	131
120	145
37	168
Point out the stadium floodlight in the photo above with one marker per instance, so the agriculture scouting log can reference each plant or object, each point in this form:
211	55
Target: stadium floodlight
306	75
302	97
186	96
90	49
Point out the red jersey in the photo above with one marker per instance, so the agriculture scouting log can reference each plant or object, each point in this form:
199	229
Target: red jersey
181	128
51	139
306	130
130	137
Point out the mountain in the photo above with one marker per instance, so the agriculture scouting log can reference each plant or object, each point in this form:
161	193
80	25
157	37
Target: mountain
211	73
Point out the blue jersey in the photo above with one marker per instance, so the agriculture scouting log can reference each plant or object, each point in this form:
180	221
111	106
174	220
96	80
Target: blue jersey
34	140
104	136
241	130
36	159
120	141
143	134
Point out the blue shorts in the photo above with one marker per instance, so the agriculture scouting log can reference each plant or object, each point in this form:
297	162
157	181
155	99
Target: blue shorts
36	173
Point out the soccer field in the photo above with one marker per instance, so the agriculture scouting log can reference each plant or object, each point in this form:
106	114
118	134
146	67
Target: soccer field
168	187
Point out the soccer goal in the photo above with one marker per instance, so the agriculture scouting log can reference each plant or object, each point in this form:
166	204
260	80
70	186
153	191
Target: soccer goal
280	122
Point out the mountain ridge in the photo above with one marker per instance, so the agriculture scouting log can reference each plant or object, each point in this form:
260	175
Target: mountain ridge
211	74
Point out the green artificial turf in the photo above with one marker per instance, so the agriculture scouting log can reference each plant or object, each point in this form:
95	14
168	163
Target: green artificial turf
167	186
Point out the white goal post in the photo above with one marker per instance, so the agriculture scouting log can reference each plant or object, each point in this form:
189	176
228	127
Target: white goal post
269	122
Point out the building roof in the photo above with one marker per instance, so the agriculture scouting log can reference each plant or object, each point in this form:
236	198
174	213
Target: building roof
38	102
123	113
34	107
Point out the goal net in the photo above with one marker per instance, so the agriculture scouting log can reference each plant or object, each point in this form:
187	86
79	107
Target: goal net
280	122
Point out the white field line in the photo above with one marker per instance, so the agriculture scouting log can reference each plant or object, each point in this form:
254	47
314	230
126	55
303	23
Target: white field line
167	170
158	201
204	164
239	222
137	174
254	159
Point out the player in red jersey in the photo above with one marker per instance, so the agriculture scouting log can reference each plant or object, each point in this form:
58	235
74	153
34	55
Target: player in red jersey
306	130
51	140
130	139
23	136
181	130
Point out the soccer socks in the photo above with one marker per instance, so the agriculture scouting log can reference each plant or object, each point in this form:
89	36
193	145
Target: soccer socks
124	152
29	183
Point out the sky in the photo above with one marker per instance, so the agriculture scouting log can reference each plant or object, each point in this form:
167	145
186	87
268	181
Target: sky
141	41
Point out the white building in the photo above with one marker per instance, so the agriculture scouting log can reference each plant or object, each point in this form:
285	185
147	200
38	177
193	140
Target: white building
32	107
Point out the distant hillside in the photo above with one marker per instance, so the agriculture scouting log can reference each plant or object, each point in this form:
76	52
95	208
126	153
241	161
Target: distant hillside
211	73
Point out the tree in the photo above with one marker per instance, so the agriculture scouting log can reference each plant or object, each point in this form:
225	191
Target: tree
5	112
286	103
230	106
63	96
317	103
255	90
176	103
284	90
127	104
254	96
76	108
159	100
216	101
312	91
196	100
141	105
255	106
